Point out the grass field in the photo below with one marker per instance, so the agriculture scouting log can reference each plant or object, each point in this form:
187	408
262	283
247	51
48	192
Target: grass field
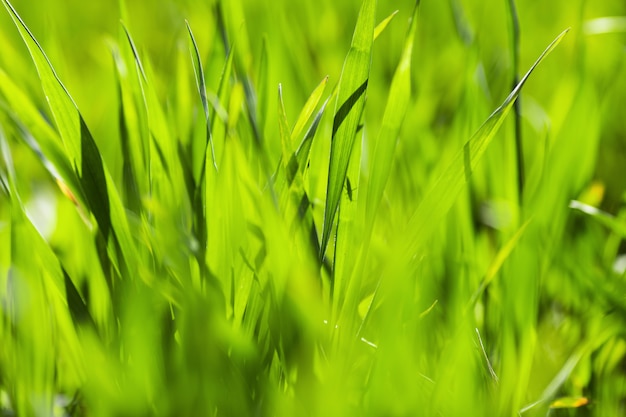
312	208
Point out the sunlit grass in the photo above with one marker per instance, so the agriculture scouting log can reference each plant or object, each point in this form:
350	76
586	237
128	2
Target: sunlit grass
314	208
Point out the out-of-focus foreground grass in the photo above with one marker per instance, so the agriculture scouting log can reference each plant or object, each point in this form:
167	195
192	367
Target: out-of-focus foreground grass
252	207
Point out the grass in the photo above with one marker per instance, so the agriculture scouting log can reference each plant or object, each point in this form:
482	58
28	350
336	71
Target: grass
322	208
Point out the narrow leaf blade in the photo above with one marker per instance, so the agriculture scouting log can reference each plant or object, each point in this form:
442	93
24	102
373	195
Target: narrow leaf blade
349	108
436	204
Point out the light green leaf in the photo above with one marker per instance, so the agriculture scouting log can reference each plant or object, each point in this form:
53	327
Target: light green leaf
380	28
79	144
454	178
199	73
348	110
302	154
308	109
385	145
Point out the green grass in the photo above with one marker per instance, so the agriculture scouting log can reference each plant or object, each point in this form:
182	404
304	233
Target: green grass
328	208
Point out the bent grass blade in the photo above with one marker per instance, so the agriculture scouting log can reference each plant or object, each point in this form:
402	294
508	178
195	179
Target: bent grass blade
97	185
446	188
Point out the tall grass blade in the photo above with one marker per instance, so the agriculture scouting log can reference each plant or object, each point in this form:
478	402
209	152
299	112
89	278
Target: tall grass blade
435	204
308	109
201	84
79	143
48	146
348	110
302	154
37	308
515	52
385	145
96	184
379	168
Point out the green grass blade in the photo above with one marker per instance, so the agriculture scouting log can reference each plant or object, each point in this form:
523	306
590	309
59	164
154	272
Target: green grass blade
380	28
200	83
308	109
79	143
381	161
302	154
62	106
130	165
385	146
454	178
96	184
285	136
36	300
48	146
497	263
348	110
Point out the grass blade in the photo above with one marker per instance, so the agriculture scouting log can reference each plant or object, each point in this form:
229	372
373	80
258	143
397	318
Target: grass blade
397	104
79	144
200	83
380	28
348	110
308	109
302	154
436	204
285	137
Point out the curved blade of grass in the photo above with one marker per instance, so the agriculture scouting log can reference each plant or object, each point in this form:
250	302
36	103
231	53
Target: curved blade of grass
450	183
347	284
348	110
200	83
36	269
97	185
48	147
79	144
385	146
564	373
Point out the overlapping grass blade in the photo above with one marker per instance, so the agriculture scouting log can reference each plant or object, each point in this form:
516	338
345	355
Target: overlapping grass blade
302	154
385	145
79	144
294	198
497	262
201	84
436	204
48	146
379	169
96	184
348	110
130	165
35	296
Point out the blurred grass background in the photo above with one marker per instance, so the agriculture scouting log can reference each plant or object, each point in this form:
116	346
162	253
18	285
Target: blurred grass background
266	336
